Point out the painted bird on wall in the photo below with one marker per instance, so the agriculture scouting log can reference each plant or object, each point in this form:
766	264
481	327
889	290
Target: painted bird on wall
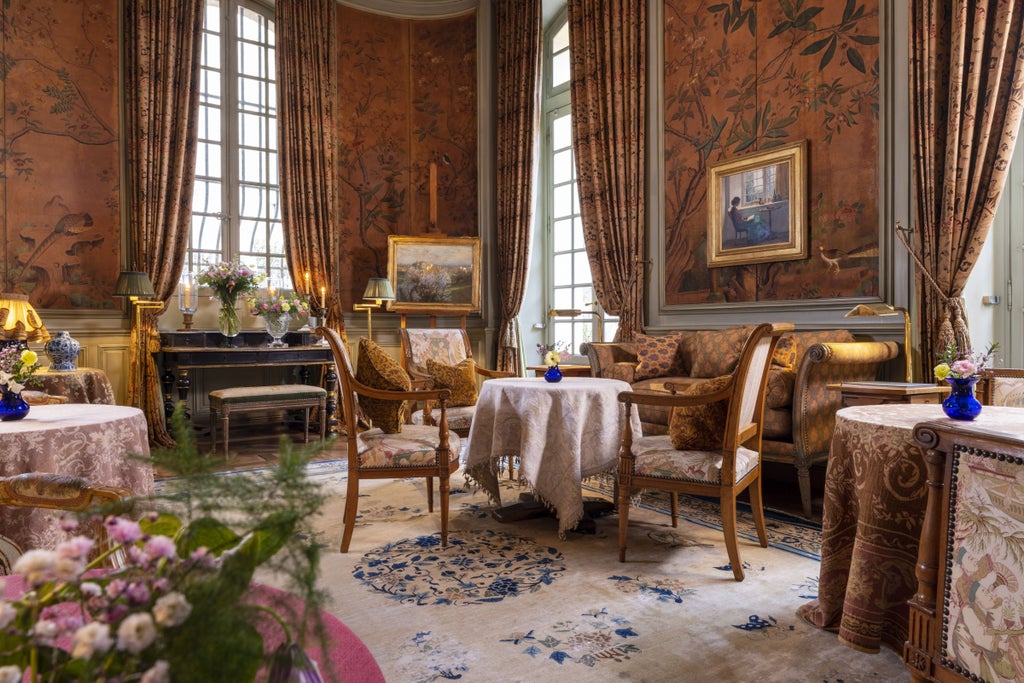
833	256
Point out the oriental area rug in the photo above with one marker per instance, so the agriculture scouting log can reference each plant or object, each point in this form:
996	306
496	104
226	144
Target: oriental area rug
514	602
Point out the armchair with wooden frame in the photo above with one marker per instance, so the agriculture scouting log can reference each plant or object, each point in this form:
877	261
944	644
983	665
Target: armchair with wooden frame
449	346
653	462
1002	387
425	451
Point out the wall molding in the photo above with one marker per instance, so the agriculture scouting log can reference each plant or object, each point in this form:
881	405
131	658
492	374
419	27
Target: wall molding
414	9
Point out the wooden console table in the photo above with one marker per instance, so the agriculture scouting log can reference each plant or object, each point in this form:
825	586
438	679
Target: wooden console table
567	370
181	352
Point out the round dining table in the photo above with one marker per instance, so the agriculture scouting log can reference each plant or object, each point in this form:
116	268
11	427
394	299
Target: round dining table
94	441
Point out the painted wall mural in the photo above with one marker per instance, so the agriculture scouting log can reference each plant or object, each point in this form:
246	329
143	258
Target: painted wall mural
407	100
59	152
748	75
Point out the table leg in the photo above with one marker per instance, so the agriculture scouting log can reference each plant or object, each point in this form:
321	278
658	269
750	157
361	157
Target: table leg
183	384
530	507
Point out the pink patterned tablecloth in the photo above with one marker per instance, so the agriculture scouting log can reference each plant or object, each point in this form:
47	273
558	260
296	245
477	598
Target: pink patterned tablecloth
84	440
84	385
562	432
875	494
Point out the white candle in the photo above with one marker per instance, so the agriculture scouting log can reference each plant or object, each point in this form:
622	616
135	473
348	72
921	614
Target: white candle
188	295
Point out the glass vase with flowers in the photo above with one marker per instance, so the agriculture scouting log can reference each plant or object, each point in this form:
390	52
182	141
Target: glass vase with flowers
277	309
227	281
962	372
17	366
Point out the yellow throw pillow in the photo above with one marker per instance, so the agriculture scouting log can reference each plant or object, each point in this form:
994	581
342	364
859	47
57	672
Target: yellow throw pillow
700	427
375	368
460	379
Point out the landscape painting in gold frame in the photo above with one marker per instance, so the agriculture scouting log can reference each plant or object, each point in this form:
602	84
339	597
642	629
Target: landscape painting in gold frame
757	207
434	275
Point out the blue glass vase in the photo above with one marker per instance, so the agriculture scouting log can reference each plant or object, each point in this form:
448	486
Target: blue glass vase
553	374
961	404
12	406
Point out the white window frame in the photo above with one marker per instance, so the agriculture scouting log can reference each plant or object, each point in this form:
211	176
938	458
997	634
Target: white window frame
251	202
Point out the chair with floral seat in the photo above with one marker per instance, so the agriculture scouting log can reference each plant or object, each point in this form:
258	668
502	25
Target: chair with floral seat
713	445
392	450
1002	387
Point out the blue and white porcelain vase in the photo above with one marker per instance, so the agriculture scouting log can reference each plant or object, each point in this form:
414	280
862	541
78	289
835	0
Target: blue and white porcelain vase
553	374
62	351
962	404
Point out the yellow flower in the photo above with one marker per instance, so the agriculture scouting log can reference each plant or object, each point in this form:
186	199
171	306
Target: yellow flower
941	371
552	358
29	357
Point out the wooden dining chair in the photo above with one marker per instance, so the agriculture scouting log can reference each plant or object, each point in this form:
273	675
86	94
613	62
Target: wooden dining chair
425	451
713	445
1002	387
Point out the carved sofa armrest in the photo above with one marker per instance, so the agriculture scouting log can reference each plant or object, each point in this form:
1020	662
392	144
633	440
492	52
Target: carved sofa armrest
614	360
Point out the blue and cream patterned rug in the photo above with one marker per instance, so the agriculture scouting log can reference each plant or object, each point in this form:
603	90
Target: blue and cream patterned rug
513	602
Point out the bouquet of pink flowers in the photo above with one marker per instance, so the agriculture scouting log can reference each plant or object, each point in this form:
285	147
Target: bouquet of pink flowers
272	305
958	366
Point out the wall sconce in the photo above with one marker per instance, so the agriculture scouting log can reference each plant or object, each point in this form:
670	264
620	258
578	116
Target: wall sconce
887	309
19	322
137	288
188	299
378	290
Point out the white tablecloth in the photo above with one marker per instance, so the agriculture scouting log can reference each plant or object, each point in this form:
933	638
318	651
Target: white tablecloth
91	441
562	433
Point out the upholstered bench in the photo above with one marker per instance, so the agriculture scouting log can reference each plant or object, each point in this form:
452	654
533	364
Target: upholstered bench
224	402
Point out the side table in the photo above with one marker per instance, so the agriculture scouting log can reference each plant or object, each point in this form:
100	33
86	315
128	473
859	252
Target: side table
875	393
83	385
567	370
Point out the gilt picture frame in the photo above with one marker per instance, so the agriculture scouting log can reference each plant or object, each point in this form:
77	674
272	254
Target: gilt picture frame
434	275
757	207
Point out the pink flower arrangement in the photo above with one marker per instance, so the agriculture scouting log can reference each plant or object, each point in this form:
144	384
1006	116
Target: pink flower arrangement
273	305
951	364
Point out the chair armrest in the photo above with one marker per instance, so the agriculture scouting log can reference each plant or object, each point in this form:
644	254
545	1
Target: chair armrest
492	374
663	398
606	354
391	395
815	404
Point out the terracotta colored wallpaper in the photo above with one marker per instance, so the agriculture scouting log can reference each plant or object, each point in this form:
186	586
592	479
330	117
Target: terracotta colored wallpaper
744	76
59	157
407	100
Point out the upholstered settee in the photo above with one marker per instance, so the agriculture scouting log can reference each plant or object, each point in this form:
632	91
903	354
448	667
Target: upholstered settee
800	406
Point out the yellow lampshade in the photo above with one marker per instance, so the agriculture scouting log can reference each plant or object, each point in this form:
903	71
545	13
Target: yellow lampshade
19	321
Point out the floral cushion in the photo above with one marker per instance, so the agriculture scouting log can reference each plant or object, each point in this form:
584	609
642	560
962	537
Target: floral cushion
458	418
700	427
442	344
713	353
658	356
785	353
414	447
656	457
460	379
375	368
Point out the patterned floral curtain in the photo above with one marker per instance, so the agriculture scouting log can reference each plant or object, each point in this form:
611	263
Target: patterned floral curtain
967	85
520	31
608	43
163	39
307	80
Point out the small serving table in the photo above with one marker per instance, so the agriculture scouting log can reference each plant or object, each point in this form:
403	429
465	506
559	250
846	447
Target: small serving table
82	385
562	432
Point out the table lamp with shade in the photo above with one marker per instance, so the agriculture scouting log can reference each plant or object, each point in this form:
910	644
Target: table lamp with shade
19	322
882	309
378	290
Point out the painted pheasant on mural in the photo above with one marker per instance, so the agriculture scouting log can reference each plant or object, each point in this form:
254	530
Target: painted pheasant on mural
833	257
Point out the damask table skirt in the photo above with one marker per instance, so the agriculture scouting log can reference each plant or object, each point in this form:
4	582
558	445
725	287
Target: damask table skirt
562	433
875	494
94	442
84	385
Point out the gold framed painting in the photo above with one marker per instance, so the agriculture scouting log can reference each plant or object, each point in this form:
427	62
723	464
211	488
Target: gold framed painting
757	207
434	275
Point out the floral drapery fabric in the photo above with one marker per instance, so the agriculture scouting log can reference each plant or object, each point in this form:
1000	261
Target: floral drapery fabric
306	61
967	85
163	40
519	54
608	44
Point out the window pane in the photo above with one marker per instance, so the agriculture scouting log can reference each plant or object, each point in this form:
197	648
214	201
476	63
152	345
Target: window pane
560	68
581	268
563	298
561	235
562	167
577	233
206	196
561	39
251	25
561	132
251	60
205	233
251	94
251	202
250	130
211	50
251	165
252	236
562	264
582	296
276	239
562	204
563	332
